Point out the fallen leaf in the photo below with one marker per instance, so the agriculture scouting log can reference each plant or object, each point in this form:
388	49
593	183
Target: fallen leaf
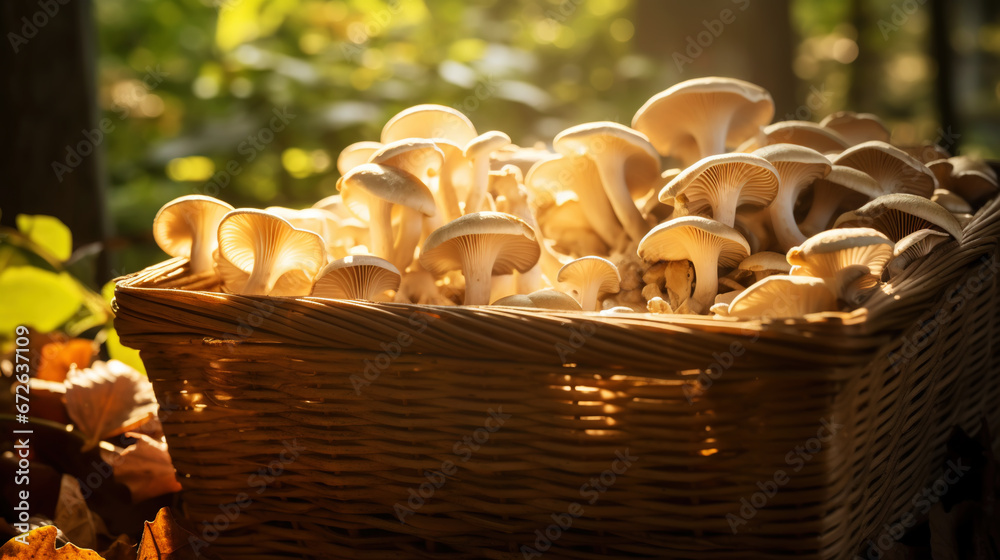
164	539
121	549
107	399
40	544
145	468
74	518
58	357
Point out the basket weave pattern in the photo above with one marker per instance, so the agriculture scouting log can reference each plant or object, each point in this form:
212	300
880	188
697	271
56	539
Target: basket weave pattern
305	427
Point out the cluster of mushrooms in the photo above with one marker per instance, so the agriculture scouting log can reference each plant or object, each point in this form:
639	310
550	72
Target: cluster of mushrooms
754	219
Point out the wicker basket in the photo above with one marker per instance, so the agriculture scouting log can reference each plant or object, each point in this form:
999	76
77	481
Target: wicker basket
335	429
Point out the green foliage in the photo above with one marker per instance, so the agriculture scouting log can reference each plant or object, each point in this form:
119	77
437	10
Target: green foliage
38	298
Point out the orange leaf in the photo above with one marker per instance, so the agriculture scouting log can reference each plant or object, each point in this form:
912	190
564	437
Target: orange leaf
41	545
164	539
58	357
145	468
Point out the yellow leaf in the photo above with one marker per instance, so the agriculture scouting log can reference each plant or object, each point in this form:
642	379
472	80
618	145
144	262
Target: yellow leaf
48	233
107	399
41	545
38	298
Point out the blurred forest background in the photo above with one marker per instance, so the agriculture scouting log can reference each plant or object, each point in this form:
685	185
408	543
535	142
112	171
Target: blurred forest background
186	84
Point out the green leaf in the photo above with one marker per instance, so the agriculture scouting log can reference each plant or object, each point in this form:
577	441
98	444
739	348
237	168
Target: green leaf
120	352
108	292
37	298
48	233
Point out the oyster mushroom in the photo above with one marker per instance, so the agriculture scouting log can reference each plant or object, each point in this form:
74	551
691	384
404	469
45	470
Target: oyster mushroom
849	260
591	277
262	254
708	244
798	167
893	169
856	127
702	117
898	215
724	183
188	227
780	297
480	244
623	157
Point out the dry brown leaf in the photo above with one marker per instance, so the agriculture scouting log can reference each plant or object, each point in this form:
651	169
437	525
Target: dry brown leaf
41	545
164	539
108	399
80	525
121	549
57	358
145	468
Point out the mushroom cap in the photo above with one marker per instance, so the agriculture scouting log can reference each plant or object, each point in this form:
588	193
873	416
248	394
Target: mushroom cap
642	163
802	133
671	118
421	158
386	183
542	299
781	296
590	268
797	166
898	215
335	204
971	178
519	250
485	144
926	153
912	247
716	178
251	238
179	221
681	238
951	202
856	127
853	179
766	261
522	157
355	154
827	253
364	277
893	169
429	121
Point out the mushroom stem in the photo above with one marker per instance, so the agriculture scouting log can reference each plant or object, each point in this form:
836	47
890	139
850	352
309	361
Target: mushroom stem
407	238
597	209
477	268
380	230
711	140
725	210
826	200
612	172
202	245
260	281
782	212
706	272
446	195
588	296
476	200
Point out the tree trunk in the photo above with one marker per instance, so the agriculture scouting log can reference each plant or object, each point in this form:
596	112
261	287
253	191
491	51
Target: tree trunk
54	154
